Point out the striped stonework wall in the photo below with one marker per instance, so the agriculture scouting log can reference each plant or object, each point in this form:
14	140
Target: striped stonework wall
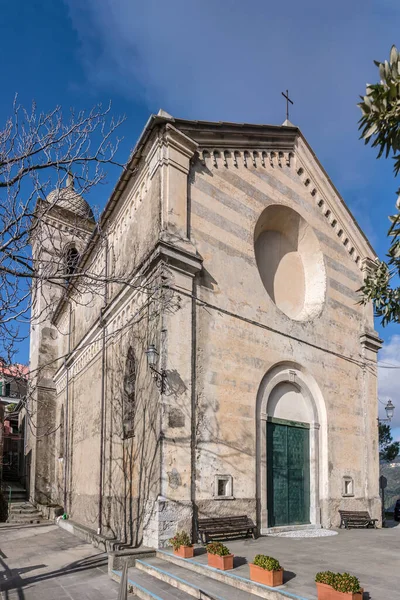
241	334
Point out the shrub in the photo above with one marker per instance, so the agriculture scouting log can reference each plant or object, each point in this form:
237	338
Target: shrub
267	562
326	577
218	548
180	539
341	582
346	583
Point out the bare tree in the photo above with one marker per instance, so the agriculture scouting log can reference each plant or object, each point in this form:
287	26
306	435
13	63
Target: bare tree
38	152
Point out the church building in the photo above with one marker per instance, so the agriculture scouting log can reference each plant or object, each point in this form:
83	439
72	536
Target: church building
208	354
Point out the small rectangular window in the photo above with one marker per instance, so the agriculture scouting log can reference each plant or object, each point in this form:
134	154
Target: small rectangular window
348	486
223	487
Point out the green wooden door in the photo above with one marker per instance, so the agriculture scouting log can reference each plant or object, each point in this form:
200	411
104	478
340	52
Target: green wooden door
288	473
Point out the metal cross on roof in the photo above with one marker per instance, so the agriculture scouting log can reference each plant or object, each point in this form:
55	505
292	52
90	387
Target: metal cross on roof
287	102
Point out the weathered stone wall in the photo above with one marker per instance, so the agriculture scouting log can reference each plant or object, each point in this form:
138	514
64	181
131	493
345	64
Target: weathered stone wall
130	465
84	444
131	231
241	335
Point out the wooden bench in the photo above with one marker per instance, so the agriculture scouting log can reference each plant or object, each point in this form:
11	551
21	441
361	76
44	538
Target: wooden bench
356	518
225	526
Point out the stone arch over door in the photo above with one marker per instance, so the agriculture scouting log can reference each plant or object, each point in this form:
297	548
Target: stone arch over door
287	390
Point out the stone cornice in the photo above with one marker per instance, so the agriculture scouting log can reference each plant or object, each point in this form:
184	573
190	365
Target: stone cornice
371	341
239	135
368	266
186	260
181	142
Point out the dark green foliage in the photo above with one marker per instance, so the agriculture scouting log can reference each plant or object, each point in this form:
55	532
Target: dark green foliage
267	562
380	126
388	450
218	548
341	582
392	492
180	539
326	577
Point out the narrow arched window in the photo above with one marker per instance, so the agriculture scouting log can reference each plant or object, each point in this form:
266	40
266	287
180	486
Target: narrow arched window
129	394
61	437
71	261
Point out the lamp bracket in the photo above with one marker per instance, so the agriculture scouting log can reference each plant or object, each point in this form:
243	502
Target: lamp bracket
160	378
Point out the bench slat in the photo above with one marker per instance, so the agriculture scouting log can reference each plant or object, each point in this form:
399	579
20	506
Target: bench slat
356	518
225	525
222	525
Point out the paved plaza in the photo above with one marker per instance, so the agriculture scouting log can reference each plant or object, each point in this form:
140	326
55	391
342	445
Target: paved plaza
47	563
373	555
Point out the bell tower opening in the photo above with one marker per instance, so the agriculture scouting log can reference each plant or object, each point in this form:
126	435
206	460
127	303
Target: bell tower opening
71	262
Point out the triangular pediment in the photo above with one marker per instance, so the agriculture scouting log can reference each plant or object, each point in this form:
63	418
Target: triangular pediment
263	146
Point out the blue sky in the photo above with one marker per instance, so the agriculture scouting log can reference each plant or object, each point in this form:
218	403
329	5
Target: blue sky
218	60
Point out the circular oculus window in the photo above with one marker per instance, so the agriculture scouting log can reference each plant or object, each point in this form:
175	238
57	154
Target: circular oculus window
290	262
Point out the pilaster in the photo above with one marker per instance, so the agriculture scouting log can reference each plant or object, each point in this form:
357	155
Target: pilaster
172	154
173	508
370	344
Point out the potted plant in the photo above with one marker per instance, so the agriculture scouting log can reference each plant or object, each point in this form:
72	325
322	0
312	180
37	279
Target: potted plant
219	556
338	586
182	545
266	570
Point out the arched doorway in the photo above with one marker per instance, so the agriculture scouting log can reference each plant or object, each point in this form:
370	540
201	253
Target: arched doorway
288	456
290	459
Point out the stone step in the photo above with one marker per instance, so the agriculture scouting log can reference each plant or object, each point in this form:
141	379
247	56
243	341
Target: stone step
24	519
148	587
192	583
252	590
23	513
25	522
23	510
17	497
168	577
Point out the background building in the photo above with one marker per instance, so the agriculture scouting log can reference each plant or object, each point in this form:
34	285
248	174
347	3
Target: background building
13	390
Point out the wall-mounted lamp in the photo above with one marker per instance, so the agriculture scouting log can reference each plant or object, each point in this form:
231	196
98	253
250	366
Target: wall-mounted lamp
389	408
159	376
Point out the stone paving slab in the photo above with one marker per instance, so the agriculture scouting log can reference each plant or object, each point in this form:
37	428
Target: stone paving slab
373	555
48	563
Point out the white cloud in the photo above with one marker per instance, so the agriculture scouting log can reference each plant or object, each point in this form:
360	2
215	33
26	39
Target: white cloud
389	380
230	61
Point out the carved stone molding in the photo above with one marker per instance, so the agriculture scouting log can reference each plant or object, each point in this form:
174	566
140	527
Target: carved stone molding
368	266
371	341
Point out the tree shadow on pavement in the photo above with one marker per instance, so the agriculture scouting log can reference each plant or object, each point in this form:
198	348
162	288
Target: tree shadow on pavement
11	578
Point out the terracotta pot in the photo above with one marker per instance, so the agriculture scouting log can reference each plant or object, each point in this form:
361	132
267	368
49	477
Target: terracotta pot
224	563
270	578
184	551
326	592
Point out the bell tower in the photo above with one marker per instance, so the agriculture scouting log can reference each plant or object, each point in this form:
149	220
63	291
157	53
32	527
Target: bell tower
62	226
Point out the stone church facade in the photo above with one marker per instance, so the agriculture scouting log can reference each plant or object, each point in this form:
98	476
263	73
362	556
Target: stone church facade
223	365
